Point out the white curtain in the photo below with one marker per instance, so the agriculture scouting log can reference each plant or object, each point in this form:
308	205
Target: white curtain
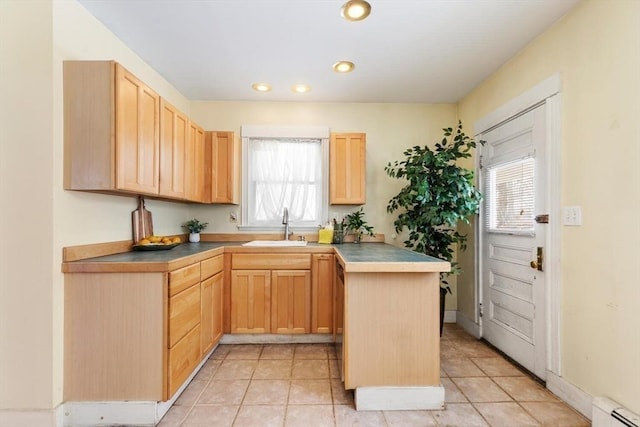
285	173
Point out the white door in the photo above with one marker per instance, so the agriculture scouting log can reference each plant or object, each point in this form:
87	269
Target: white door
513	179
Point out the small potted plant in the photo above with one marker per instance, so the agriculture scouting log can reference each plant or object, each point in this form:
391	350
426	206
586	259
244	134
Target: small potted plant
194	227
357	225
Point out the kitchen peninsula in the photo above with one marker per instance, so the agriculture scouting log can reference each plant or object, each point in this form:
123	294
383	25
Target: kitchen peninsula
378	302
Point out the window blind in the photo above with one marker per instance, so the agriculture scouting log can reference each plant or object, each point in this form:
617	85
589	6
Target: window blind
510	196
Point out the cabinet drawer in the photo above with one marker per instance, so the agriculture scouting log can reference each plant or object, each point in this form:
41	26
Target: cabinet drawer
211	266
184	313
183	358
181	279
271	261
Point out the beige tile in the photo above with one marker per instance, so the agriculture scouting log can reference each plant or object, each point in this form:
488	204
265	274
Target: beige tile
235	369
556	414
347	416
223	392
455	333
310	392
207	371
191	393
310	351
459	415
260	416
481	389
505	414
331	352
307	369
340	395
273	369
461	368
248	351
174	417
267	392
334	368
211	416
277	351
449	350
220	352
309	415
524	389
452	393
497	367
409	418
475	349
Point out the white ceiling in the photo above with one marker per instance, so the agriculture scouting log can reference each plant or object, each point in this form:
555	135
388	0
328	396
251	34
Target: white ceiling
426	51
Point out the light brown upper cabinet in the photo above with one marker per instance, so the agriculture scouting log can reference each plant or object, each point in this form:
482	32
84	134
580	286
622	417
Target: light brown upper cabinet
112	130
195	164
174	128
347	168
225	167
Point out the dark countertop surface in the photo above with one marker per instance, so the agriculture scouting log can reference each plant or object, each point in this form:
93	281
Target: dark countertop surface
362	257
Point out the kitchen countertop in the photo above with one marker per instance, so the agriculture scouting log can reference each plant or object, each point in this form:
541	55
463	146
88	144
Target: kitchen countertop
355	258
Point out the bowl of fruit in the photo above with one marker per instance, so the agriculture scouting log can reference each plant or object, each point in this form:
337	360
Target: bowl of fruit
157	243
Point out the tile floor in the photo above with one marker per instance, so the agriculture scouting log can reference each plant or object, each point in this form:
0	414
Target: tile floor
299	385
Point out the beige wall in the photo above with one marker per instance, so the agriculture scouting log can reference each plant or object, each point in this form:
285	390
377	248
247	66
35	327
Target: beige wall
390	129
26	220
596	49
37	217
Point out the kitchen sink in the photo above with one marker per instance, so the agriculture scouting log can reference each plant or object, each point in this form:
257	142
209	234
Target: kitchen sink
276	243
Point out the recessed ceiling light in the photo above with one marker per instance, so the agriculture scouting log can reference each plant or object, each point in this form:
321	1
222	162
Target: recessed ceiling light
301	88
355	10
343	67
261	87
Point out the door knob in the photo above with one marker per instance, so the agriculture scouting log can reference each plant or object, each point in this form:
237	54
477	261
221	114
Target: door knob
537	264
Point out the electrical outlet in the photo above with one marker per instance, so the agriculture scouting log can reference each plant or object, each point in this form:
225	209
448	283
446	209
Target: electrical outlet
233	217
572	215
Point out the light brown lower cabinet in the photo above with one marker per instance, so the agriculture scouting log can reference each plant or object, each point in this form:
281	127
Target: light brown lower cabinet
211	313
322	294
271	293
183	359
250	301
138	336
290	302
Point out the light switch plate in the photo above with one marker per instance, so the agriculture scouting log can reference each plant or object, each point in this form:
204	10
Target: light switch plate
572	215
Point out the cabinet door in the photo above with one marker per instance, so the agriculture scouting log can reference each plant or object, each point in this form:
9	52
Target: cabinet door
290	301
184	313
225	167
339	301
322	294
206	316
217	296
173	139
195	164
183	359
347	169
211	313
137	134
250	301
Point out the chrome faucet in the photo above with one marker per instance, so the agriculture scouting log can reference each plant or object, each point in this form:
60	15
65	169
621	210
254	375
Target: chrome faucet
285	221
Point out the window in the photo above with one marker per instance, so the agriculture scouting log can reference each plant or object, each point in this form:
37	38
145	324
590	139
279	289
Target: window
509	196
285	171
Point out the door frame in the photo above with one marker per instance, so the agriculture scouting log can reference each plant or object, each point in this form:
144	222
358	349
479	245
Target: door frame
548	92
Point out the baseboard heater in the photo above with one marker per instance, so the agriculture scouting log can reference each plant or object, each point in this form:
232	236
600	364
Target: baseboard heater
607	413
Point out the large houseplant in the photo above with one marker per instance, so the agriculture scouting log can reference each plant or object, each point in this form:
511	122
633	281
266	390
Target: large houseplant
438	195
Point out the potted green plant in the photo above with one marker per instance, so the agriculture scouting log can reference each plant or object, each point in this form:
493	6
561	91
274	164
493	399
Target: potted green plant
357	225
194	227
438	195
